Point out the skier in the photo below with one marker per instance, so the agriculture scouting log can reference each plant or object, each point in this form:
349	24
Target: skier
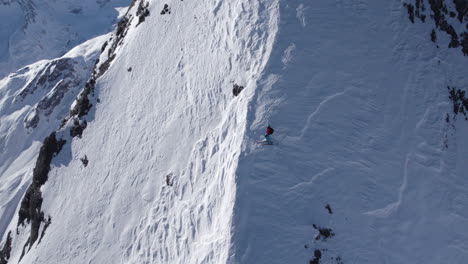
268	132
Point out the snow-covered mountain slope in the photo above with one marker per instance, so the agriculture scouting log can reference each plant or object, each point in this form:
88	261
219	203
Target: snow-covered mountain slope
158	161
162	142
33	103
33	30
358	96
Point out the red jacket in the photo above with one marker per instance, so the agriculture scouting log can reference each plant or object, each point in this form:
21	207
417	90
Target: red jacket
269	131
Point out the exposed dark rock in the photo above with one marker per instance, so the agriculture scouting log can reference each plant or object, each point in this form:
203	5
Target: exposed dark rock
5	252
30	209
24	249
169	179
121	27
236	89
410	9
328	207
439	9
83	104
462	9
78	127
58	78
105	65
132	4
459	100
104	46
433	36
46	225
84	160
32	121
454	42
50	147
53	72
324	233
464	43
317	257
423	18
416	11
142	12
439	15
48	103
120	33
420	9
129	69
165	10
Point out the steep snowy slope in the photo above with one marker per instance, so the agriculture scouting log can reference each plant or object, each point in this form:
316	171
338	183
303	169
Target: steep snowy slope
358	97
33	103
162	140
33	30
157	160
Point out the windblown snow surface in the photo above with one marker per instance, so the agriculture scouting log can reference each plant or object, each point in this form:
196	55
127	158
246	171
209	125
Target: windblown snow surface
358	98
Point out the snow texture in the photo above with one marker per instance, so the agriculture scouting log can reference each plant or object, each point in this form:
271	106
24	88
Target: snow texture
368	163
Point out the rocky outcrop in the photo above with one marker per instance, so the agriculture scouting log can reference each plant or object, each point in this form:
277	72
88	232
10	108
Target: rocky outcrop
459	101
441	13
142	12
30	210
58	78
165	10
236	89
5	252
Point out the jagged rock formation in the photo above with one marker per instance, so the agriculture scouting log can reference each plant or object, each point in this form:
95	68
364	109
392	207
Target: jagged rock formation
442	11
5	251
459	100
30	210
57	78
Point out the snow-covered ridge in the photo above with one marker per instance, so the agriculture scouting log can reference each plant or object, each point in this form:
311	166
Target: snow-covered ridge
34	30
34	101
